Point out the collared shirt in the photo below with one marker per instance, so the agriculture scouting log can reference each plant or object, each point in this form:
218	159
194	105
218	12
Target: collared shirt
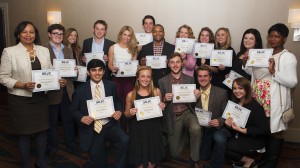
178	107
96	48
205	97
102	95
58	54
157	49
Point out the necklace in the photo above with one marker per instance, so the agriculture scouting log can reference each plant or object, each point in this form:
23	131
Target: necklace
32	55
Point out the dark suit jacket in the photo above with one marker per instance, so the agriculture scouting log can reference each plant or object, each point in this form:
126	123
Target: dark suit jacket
87	48
55	96
79	109
148	50
216	104
166	87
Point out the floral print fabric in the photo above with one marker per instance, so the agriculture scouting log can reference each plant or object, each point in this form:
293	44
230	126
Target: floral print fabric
261	92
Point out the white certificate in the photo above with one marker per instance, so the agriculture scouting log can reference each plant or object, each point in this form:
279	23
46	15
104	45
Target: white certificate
45	80
127	68
147	108
90	56
221	57
101	108
203	50
66	67
259	57
183	93
231	77
184	45
203	116
82	73
156	62
144	38
238	113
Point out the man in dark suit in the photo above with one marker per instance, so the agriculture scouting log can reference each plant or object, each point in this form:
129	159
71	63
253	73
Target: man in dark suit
60	100
90	140
179	116
213	99
158	47
99	43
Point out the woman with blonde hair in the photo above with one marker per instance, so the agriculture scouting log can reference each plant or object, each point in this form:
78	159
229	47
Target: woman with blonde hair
189	62
125	49
145	137
71	41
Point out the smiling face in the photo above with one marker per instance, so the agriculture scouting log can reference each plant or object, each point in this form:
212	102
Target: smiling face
184	33
56	36
72	37
158	33
148	25
144	77
175	64
99	31
249	41
125	37
204	79
204	37
238	91
96	74
27	36
221	37
275	39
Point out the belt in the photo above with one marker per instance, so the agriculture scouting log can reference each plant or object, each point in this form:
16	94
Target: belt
178	114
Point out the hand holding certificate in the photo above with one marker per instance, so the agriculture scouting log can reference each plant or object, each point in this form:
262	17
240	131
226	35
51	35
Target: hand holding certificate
203	50
90	56
203	116
156	62
231	77
144	38
45	80
82	73
127	69
101	108
66	67
238	113
183	93
223	57
184	45
148	108
259	57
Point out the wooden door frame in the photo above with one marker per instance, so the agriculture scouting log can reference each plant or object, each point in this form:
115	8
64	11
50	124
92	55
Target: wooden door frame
4	8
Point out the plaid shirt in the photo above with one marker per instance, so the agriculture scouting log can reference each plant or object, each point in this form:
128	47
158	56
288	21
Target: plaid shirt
157	49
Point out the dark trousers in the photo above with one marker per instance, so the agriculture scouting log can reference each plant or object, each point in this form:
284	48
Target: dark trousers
213	147
67	121
113	133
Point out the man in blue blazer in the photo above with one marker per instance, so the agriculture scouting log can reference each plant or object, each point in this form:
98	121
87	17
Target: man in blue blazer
99	43
158	47
90	140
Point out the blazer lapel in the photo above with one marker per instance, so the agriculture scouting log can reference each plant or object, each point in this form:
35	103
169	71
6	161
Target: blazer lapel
212	97
88	90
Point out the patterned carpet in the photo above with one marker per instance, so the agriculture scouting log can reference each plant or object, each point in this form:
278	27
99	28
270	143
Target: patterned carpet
9	154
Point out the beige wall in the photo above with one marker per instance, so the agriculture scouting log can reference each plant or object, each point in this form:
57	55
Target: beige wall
237	15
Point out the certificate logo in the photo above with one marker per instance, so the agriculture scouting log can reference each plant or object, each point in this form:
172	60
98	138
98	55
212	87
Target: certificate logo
142	113
178	49
122	73
252	62
196	54
39	85
228	115
177	97
228	81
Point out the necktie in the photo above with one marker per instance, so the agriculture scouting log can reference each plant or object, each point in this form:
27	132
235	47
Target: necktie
97	123
204	100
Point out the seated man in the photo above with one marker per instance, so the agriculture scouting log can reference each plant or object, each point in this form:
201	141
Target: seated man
213	99
179	116
93	138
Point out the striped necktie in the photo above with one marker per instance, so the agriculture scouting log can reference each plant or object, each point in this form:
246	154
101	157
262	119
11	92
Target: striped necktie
97	123
204	100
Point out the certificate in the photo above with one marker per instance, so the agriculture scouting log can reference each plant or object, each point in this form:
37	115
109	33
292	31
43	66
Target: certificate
90	56
82	73
127	68
238	113
147	108
183	93
101	108
203	116
156	62
45	80
259	57
221	57
144	38
203	50
66	67
231	77
184	45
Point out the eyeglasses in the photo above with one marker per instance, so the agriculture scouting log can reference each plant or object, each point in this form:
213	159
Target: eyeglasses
57	34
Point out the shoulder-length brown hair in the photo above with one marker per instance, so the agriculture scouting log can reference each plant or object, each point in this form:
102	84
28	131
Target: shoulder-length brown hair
246	85
76	49
132	45
211	34
150	87
228	42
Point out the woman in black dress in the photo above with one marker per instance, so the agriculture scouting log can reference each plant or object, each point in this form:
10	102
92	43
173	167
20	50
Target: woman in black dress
29	111
145	137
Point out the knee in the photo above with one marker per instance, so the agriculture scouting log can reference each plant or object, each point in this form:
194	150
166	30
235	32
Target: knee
220	138
195	129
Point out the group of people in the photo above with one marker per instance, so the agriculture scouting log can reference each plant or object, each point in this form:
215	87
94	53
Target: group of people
145	143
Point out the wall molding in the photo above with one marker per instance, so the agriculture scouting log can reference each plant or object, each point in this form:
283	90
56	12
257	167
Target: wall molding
4	8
